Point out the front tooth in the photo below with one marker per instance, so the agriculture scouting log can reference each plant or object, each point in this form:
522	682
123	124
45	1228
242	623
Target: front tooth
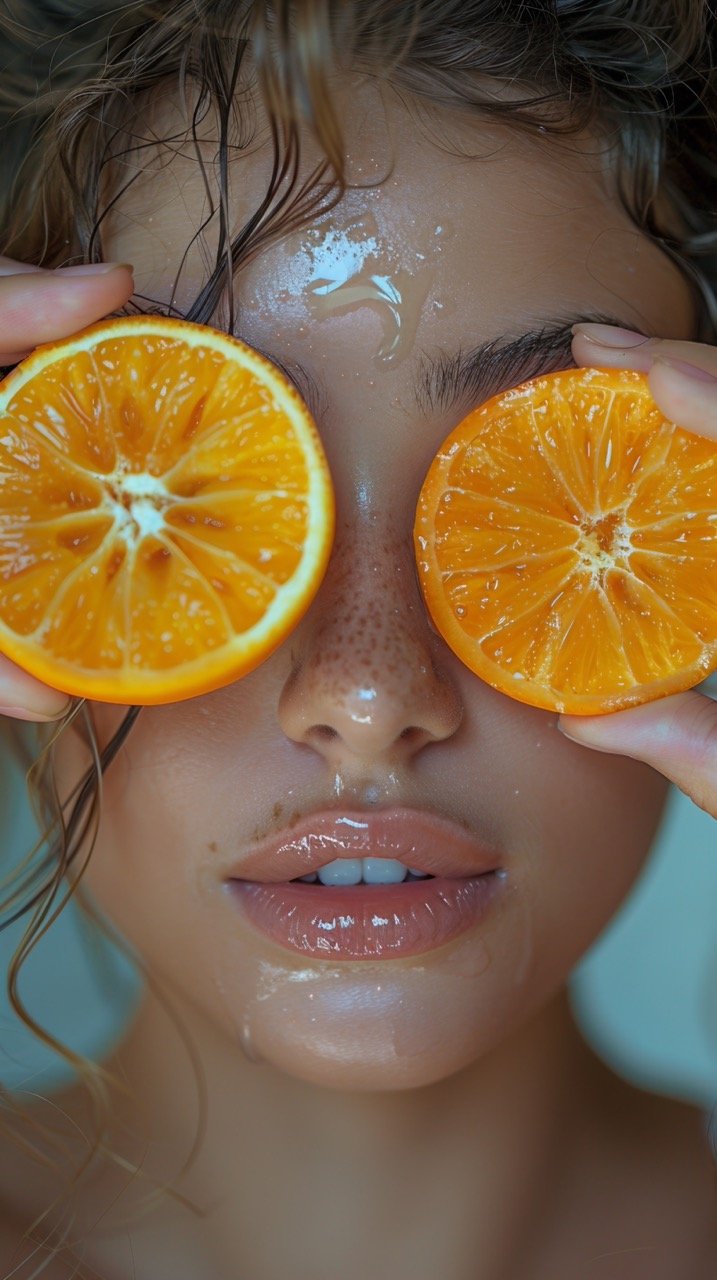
415	872
384	871
341	871
370	870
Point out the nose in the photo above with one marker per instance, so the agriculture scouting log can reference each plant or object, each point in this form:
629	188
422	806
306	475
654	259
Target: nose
365	685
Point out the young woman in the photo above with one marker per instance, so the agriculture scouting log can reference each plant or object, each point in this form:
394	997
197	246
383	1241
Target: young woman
408	207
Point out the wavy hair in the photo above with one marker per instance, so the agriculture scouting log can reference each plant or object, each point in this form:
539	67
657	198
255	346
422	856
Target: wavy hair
75	80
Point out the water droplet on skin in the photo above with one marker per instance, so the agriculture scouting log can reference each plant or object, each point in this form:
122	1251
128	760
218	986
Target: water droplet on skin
389	293
247	1042
338	268
470	960
467	962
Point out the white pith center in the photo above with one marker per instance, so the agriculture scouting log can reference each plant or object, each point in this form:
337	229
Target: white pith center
137	502
604	543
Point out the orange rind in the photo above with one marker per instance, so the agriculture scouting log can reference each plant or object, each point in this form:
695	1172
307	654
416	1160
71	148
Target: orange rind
166	511
566	543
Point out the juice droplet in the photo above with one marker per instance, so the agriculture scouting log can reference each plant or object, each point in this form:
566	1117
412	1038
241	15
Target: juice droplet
247	1042
390	294
339	268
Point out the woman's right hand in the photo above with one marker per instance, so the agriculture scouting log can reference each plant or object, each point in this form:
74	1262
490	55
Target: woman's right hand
40	306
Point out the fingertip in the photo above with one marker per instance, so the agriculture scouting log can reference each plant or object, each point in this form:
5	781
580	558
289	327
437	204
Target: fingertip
624	350
628	731
24	697
40	307
689	399
91	270
586	731
33	716
85	288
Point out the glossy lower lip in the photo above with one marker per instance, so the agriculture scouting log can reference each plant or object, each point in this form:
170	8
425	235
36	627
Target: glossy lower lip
363	921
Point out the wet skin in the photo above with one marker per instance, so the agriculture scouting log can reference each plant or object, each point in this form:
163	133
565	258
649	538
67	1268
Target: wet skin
527	234
200	781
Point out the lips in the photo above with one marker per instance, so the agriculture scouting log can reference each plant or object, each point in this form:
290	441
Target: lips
367	921
433	845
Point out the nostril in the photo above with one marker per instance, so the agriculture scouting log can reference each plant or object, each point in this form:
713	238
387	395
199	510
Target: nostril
412	734
323	733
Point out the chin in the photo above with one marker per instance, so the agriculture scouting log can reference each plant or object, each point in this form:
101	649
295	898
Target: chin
360	1068
378	1027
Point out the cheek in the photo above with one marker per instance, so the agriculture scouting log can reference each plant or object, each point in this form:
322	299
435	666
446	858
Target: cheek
154	803
184	791
582	838
576	824
599	812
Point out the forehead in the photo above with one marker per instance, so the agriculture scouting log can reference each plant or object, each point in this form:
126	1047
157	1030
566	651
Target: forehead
453	231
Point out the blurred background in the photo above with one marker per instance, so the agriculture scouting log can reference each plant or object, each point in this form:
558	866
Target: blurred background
645	995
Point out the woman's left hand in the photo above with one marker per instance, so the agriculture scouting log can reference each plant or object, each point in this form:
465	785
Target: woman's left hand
676	735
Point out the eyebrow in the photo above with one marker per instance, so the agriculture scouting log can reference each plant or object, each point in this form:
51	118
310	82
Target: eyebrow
308	386
467	377
464	377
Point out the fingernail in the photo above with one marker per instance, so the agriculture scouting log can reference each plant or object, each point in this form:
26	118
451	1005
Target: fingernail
607	335
687	370
584	737
95	269
28	713
562	725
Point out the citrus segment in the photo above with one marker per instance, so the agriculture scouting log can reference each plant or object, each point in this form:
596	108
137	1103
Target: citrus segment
566	543
166	510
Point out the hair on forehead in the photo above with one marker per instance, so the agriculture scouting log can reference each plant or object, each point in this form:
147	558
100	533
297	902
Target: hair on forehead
640	71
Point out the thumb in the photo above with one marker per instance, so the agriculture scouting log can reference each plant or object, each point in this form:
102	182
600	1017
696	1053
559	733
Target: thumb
677	735
684	385
38	306
682	375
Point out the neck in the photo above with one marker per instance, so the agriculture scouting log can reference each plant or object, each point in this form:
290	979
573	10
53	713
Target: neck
459	1157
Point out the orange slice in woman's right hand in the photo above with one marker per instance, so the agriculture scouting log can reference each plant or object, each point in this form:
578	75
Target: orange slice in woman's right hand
566	541
166	511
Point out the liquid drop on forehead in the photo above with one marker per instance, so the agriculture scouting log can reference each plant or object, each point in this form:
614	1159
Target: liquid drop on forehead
338	267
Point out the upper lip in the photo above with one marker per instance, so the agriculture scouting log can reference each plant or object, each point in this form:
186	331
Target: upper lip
422	840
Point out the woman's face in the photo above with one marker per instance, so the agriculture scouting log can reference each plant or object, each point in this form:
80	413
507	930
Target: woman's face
363	709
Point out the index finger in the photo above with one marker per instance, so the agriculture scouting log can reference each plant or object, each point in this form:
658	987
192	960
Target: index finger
682	374
24	698
676	735
40	306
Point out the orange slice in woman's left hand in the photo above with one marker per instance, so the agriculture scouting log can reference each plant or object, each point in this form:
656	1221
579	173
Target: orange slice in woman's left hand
566	541
166	511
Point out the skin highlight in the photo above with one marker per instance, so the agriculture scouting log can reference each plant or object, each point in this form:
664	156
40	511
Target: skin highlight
456	1080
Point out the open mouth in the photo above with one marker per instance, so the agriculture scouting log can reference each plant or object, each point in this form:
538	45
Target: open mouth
350	871
371	885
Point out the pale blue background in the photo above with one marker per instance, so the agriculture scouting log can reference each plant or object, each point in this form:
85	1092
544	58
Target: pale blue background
646	995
